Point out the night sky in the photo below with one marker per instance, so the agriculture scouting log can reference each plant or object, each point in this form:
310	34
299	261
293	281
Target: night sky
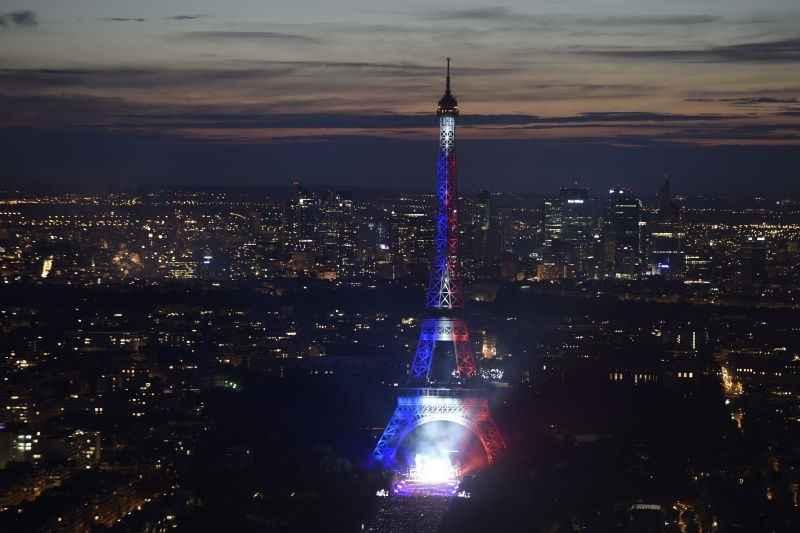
114	93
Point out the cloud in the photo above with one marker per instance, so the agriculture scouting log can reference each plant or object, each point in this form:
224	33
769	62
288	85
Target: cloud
786	91
649	20
777	51
382	121
116	112
478	13
379	69
748	101
245	78
780	50
628	116
504	14
249	36
124	19
555	91
186	17
20	19
23	80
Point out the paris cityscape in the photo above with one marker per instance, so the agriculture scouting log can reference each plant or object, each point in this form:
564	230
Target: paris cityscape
511	313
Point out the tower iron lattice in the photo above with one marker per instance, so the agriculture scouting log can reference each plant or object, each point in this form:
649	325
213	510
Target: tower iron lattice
419	406
435	398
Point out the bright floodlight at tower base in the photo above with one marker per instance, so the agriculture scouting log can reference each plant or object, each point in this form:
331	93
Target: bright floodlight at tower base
432	468
430	473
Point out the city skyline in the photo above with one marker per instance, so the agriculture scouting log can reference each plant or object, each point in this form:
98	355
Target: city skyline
246	283
706	93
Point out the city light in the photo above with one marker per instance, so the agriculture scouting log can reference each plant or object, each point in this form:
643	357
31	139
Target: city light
47	266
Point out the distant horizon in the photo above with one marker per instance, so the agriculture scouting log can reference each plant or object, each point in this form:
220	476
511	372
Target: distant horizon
148	188
522	166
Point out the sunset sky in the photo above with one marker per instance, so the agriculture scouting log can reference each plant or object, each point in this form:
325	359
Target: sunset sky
255	92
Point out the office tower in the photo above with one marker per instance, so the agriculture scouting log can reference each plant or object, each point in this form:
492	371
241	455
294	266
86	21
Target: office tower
486	243
666	256
577	217
622	227
303	215
551	213
336	234
567	224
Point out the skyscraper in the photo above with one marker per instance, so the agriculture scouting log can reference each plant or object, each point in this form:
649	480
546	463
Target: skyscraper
666	255
567	233
576	215
336	233
551	213
486	236
622	234
303	214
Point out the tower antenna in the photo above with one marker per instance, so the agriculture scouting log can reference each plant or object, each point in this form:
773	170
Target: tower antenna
448	74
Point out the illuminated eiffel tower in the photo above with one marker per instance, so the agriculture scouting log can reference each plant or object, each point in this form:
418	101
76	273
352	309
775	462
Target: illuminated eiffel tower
451	397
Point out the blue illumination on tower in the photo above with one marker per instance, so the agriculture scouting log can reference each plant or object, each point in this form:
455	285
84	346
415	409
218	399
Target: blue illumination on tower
444	289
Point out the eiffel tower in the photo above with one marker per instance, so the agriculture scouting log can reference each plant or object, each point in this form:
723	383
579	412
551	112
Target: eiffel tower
450	396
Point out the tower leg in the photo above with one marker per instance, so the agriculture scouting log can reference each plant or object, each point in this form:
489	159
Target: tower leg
421	368
465	361
399	425
491	439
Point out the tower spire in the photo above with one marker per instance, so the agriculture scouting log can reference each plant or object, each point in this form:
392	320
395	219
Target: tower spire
448	103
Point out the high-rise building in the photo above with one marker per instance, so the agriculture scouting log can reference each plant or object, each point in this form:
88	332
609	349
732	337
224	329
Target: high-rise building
303	215
622	228
577	218
336	234
666	256
486	236
568	221
576	214
551	213
412	233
